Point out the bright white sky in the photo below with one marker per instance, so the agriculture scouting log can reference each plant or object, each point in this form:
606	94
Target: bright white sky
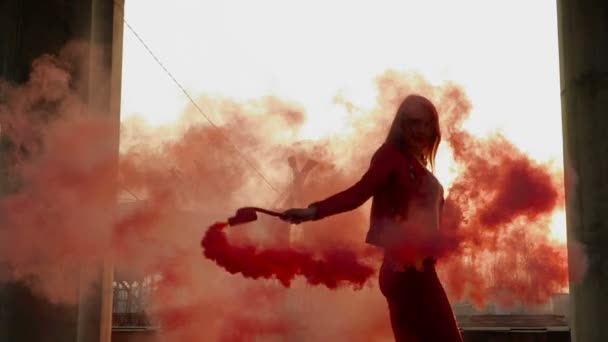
504	54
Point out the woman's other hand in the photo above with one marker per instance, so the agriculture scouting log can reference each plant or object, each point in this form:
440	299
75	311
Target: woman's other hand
299	215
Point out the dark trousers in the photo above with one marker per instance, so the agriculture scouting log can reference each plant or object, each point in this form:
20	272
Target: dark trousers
419	308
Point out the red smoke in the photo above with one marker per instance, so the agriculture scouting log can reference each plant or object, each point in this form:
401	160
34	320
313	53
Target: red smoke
62	168
500	205
330	269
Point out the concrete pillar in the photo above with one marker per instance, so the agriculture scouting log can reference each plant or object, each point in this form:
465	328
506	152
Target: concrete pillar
103	96
583	48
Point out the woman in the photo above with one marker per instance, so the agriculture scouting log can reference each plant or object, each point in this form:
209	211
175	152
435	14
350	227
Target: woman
405	220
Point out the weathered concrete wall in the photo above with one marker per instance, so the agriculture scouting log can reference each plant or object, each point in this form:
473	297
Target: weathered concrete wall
29	28
583	40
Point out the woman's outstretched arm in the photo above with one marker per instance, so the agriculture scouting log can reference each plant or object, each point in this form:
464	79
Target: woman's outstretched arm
378	173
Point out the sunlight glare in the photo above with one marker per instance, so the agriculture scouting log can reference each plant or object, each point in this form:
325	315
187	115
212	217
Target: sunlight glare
310	52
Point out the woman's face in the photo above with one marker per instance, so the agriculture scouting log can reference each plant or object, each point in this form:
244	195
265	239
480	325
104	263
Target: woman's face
418	127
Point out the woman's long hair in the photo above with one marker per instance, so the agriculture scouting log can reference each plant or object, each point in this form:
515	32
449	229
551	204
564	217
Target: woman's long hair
395	133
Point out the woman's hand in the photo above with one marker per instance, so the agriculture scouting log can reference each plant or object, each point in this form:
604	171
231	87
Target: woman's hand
299	215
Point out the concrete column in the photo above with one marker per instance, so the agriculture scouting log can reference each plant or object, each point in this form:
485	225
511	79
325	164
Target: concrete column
583	48
104	94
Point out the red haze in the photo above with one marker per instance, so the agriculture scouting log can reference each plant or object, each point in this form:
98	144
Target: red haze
330	269
61	166
503	200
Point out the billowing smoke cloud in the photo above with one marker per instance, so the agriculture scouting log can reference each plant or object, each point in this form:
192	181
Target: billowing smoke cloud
60	171
499	206
283	264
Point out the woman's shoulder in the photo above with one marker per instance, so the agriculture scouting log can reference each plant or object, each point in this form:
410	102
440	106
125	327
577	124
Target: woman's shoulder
387	148
389	151
389	154
385	151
